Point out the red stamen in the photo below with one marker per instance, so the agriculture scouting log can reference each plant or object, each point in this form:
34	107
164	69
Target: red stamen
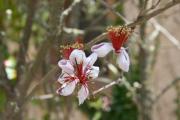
80	73
118	36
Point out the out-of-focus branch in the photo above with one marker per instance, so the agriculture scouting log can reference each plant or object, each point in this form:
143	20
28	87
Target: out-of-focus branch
145	10
74	31
174	82
146	17
66	13
43	97
32	6
166	33
114	11
47	77
144	6
23	86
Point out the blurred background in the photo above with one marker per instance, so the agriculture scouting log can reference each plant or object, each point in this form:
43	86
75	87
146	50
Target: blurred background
31	32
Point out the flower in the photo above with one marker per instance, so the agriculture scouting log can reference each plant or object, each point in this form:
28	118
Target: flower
79	70
118	36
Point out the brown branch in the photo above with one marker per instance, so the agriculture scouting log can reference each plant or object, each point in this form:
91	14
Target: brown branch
146	17
152	7
107	86
97	39
65	13
32	5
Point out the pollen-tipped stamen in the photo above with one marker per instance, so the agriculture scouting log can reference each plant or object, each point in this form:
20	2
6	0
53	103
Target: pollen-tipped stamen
118	36
67	49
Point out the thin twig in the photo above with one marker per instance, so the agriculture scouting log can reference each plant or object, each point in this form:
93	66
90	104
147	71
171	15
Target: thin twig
174	82
43	97
32	6
146	17
97	39
166	33
114	11
107	86
47	77
66	13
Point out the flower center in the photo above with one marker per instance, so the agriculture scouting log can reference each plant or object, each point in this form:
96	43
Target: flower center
82	73
118	36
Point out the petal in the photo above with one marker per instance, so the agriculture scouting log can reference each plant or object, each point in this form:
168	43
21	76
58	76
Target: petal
93	72
91	59
63	77
77	56
66	66
67	88
123	60
102	49
83	94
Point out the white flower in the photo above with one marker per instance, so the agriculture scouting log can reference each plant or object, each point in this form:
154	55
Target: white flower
78	69
104	48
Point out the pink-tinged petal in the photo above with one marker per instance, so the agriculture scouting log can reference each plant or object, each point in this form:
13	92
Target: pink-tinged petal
66	66
93	72
77	56
123	60
67	88
91	59
64	76
102	49
83	94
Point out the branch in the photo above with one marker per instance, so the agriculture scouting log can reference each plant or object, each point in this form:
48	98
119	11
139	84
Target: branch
174	82
107	86
144	10
32	5
65	13
43	97
113	11
166	33
97	39
146	17
47	77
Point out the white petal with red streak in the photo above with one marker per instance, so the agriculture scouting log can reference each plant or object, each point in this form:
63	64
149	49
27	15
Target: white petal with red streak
77	56
64	76
123	60
102	49
67	88
66	66
83	94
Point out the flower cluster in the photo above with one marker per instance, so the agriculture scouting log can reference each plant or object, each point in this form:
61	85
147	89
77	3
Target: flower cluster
77	69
